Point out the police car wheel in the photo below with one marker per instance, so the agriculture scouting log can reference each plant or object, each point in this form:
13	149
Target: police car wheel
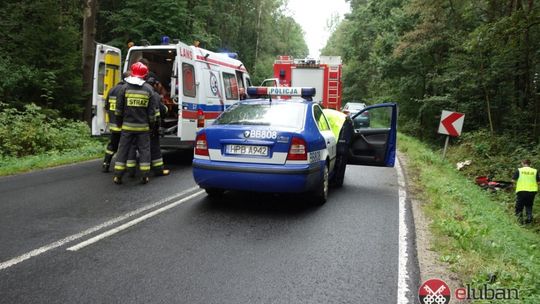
214	192
321	194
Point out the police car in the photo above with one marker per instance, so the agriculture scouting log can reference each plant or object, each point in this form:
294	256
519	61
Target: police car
284	146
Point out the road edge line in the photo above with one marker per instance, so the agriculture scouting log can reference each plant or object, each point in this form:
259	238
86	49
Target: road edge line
403	257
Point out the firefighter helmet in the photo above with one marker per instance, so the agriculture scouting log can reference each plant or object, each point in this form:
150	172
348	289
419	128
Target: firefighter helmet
139	70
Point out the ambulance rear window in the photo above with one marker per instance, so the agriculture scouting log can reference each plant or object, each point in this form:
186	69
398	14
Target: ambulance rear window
288	115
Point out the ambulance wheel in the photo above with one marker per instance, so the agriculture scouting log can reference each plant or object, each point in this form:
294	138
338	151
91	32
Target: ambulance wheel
214	192
321	194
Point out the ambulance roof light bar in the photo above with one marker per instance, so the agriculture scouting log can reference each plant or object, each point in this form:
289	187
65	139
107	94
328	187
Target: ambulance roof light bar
304	92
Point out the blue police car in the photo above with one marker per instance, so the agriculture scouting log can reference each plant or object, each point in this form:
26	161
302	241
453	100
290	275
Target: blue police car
284	146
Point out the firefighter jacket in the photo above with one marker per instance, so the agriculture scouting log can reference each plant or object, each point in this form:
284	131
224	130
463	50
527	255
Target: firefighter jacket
110	106
136	106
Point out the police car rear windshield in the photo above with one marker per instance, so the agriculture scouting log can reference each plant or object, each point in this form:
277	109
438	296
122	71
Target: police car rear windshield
287	115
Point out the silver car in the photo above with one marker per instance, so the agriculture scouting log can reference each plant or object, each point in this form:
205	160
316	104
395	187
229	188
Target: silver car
361	121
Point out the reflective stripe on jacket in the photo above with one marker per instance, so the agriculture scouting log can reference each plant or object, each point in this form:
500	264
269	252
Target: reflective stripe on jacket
527	180
110	106
136	105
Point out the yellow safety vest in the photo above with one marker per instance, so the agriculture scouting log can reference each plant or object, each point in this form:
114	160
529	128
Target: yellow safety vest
335	119
527	180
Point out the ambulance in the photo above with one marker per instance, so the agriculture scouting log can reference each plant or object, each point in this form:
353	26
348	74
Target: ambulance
196	86
323	74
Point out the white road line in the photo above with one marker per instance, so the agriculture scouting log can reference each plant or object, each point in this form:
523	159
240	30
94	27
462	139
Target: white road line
108	233
403	276
84	233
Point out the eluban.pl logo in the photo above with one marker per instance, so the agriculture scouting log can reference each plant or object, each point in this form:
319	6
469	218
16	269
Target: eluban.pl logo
434	291
486	293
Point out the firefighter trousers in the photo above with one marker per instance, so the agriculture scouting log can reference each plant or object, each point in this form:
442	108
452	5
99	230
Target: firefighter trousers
112	147
156	157
141	141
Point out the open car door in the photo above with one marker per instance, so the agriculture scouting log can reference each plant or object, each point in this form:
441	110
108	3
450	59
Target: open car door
374	138
107	73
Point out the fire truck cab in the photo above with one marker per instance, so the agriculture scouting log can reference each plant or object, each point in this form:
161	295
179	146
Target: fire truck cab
196	86
324	75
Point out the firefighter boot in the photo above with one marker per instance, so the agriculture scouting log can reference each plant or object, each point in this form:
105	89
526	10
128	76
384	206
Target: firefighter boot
106	163
161	171
117	179
145	179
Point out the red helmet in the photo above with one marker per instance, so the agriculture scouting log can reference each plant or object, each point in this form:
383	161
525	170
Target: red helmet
139	70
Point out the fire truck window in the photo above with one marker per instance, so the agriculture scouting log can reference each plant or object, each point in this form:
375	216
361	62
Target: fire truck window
188	79
231	86
101	78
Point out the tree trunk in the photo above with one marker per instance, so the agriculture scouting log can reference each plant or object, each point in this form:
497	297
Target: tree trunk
258	31
88	47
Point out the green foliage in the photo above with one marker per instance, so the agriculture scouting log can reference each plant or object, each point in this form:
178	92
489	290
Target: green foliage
476	57
40	40
33	131
258	30
475	234
40	55
498	156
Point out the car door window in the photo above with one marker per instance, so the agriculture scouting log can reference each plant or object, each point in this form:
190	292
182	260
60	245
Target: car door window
377	118
322	124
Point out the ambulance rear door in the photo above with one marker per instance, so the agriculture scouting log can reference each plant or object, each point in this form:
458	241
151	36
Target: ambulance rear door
187	93
107	73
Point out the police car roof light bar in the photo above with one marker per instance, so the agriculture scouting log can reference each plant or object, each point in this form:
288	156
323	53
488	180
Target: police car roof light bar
306	93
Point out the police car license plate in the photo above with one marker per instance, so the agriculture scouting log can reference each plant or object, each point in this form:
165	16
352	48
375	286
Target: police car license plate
247	150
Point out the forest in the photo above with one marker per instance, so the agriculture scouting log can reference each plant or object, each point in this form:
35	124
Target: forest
41	41
476	57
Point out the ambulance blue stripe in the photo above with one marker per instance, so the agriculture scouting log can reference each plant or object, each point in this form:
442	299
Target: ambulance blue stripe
204	107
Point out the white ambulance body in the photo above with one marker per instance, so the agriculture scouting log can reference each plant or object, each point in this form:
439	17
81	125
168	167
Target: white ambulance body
197	86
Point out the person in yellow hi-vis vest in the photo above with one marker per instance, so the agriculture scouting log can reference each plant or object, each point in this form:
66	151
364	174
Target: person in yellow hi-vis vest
526	182
343	129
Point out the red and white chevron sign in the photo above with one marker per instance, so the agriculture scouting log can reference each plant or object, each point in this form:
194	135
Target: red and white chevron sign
451	123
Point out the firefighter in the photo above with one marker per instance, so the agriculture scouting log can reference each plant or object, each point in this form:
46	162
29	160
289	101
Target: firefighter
110	107
155	149
526	182
342	127
135	113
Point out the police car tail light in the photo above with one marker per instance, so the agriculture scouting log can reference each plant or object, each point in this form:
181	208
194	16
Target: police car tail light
200	118
298	150
201	145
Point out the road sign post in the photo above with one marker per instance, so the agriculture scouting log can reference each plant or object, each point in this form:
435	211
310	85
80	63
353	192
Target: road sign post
445	146
451	124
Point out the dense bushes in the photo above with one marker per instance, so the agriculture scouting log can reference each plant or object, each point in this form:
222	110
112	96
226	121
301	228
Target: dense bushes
35	131
495	155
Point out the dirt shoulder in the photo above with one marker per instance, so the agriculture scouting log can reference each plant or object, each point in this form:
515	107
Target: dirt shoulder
429	264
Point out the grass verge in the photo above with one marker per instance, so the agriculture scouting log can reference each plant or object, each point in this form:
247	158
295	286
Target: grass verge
12	165
473	233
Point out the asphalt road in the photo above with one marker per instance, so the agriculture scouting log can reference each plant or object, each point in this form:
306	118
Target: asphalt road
245	248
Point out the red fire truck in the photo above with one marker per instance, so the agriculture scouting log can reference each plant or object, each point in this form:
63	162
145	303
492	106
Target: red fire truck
323	74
